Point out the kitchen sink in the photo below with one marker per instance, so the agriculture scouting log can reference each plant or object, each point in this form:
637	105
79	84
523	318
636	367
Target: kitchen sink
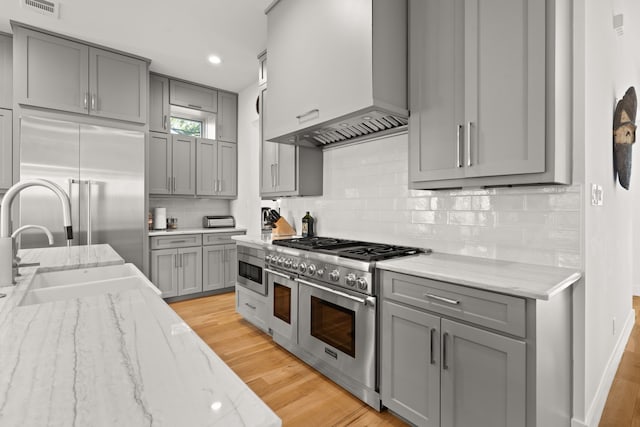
68	284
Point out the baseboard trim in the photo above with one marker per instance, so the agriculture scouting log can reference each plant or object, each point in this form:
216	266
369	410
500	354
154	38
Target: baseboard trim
594	412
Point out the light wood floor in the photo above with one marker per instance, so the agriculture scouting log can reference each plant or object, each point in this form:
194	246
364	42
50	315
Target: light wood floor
623	404
298	394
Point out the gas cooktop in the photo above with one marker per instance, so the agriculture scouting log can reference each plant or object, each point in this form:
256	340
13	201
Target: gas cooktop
353	249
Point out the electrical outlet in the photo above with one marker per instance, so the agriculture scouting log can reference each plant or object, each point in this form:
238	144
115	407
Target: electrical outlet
597	195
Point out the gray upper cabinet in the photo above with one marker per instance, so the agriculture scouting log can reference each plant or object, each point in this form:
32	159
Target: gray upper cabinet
158	103
160	159
6	71
183	165
193	96
217	168
6	160
287	170
479	112
227	119
62	74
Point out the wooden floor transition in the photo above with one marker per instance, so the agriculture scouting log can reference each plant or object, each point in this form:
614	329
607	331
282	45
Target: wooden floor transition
298	394
623	404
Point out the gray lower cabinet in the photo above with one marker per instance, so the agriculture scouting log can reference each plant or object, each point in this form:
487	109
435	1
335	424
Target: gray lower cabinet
219	266
253	307
57	73
6	143
193	96
177	271
455	356
158	104
227	118
6	71
217	168
479	115
287	170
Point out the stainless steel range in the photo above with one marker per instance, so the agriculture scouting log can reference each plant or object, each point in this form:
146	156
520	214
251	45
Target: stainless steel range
323	306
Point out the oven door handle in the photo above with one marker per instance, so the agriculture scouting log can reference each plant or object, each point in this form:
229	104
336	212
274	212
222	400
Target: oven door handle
364	301
277	273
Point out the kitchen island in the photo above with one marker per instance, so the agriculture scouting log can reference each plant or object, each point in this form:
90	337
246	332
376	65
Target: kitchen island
122	358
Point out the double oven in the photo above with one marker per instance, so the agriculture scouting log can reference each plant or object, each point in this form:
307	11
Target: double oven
322	307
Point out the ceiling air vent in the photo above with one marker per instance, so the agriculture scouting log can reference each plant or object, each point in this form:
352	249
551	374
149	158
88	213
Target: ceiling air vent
45	7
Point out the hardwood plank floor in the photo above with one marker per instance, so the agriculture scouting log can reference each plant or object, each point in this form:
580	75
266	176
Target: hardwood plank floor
623	404
297	393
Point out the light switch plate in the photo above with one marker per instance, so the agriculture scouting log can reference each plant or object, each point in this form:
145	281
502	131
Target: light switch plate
596	195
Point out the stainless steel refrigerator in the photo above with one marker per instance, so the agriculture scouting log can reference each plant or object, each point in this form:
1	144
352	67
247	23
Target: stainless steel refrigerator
102	170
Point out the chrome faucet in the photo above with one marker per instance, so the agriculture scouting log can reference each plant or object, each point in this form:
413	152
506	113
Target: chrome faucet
6	239
16	258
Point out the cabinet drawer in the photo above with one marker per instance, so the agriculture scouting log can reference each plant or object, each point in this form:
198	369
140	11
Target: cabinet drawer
178	241
496	311
192	96
218	238
253	307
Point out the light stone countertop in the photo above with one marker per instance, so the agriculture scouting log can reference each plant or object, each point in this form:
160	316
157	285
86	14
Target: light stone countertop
513	278
117	359
195	231
259	241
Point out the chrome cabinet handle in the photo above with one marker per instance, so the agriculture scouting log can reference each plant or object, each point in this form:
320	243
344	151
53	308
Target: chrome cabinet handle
199	107
363	301
181	259
250	306
277	174
86	100
444	351
276	273
433	333
178	241
219	186
458	143
273	174
308	113
175	260
443	299
164	122
93	102
469	143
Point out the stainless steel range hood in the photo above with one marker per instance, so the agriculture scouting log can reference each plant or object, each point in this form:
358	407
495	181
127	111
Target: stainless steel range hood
337	71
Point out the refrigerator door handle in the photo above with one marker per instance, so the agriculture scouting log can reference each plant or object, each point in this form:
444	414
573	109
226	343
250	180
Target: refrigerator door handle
89	184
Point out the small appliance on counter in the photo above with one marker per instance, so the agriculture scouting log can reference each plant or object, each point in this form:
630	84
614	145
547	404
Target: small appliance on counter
280	225
218	221
160	218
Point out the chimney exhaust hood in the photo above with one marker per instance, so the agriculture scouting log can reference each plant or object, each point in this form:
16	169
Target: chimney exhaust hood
337	71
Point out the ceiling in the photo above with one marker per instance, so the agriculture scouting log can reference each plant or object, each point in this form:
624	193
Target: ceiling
177	37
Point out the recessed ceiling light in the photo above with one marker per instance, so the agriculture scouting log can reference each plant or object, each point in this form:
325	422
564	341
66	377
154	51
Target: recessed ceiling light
215	59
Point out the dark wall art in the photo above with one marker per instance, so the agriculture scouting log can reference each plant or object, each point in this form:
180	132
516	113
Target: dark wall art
624	135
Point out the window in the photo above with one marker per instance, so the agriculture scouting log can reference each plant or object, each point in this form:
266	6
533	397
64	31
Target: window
188	127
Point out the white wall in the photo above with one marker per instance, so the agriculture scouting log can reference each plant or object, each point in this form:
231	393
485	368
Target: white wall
606	64
189	211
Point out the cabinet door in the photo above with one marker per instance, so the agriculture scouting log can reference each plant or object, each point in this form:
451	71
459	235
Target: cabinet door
160	163
253	307
189	270
268	153
483	378
6	143
184	165
6	72
410	359
299	45
53	72
213	267
286	168
118	86
164	271
231	265
436	98
227	119
505	99
207	153
158	103
193	96
227	169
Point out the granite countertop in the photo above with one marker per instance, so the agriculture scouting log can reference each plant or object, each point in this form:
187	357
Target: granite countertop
122	358
195	231
513	278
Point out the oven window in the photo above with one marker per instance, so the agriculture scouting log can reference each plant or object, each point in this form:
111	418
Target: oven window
250	271
334	325
282	302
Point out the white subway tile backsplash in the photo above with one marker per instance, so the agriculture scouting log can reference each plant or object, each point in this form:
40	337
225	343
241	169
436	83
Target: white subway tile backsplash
366	197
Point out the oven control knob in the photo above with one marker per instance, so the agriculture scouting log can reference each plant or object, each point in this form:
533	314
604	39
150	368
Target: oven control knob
288	262
303	267
267	258
274	260
351	279
362	283
281	261
320	272
312	269
295	265
334	275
